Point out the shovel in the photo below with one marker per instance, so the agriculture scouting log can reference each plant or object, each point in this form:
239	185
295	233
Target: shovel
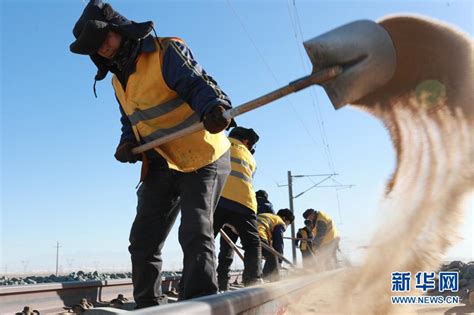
231	244
349	62
277	254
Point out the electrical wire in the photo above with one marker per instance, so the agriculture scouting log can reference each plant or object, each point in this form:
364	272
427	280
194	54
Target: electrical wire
242	24
314	101
314	97
296	26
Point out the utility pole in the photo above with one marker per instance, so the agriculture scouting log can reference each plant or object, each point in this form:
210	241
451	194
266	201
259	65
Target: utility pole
293	235
291	197
57	257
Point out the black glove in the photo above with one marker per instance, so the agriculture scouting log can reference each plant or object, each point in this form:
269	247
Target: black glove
232	124
214	121
124	152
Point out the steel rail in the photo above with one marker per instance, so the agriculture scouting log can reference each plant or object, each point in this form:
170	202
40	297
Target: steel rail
263	299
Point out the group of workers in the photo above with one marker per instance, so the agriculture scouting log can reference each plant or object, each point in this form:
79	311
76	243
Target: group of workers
206	176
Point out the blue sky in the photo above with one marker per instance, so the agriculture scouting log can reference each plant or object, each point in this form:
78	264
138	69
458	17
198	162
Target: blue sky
60	181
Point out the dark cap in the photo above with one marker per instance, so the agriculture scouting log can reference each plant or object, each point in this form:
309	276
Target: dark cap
91	38
261	193
287	214
308	212
242	133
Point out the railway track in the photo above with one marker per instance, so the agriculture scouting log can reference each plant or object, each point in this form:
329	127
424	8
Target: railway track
52	298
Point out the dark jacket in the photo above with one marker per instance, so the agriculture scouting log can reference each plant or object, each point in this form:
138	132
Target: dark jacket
277	239
264	206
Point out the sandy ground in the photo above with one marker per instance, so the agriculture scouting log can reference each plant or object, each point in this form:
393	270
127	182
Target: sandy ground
328	297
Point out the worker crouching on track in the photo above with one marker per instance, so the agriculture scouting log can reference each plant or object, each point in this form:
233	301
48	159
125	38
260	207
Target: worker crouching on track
162	89
304	239
237	209
326	239
271	228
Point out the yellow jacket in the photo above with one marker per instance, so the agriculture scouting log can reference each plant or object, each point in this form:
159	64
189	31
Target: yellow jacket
239	187
330	232
266	225
155	110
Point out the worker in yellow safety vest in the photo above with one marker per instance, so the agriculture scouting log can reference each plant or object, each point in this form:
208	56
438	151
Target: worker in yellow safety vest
271	228
304	239
236	211
162	89
326	239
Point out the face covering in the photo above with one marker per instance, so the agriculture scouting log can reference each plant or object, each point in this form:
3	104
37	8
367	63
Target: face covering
126	54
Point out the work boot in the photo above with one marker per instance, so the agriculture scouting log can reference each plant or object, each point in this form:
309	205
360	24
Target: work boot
223	287
162	299
253	282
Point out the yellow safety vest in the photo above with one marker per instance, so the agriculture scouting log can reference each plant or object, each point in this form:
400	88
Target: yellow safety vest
303	243
266	225
155	111
331	232
239	186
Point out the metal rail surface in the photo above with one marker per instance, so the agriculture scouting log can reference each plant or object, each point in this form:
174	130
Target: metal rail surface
263	299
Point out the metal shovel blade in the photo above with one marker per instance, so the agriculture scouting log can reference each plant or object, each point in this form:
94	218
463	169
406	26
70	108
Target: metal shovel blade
435	61
365	51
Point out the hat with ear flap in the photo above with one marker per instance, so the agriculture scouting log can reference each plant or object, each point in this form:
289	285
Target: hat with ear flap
91	29
91	38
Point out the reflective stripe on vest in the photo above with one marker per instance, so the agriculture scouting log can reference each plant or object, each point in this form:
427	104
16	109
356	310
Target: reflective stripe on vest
191	120
155	110
242	162
239	187
241	176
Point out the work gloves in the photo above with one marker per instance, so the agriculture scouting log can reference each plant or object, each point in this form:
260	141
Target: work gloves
124	152
214	121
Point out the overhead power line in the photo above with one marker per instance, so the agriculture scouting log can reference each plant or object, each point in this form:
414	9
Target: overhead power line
267	65
297	29
314	97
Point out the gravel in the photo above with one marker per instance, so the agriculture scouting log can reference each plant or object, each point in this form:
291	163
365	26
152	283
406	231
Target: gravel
73	276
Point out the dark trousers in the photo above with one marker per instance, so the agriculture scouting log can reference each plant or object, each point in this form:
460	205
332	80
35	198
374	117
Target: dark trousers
271	269
160	197
246	227
308	259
